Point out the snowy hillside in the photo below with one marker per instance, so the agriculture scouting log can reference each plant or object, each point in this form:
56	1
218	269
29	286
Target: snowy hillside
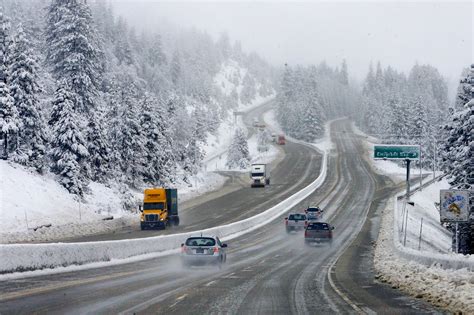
238	83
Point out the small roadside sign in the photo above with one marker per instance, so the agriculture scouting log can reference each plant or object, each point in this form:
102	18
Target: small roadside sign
396	152
454	205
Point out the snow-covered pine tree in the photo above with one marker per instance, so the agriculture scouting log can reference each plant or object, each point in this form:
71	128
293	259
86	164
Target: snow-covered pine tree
238	156
155	55
175	69
457	156
25	89
313	114
68	147
464	93
9	120
155	145
98	148
131	142
73	52
249	90
344	75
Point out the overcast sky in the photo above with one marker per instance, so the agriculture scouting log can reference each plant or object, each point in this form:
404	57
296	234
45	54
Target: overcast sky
396	33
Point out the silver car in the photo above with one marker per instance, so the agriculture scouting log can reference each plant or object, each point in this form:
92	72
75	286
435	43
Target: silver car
203	250
295	221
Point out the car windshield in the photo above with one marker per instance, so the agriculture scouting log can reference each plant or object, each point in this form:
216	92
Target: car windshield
257	174
153	206
200	241
313	209
297	217
318	226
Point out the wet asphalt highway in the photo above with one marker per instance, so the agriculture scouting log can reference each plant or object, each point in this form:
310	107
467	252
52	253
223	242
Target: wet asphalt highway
267	272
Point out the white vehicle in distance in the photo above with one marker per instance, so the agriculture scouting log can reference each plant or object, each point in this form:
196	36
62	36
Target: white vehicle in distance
260	175
295	222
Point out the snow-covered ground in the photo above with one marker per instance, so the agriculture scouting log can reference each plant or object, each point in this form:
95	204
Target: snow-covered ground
39	256
29	201
424	267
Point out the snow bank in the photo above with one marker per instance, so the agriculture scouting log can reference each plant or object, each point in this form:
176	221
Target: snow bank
428	269
423	274
29	200
23	257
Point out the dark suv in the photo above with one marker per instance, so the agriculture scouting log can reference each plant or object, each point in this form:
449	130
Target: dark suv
318	232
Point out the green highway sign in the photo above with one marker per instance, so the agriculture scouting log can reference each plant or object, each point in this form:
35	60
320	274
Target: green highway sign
396	152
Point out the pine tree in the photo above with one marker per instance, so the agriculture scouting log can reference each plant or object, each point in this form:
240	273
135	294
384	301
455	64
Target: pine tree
463	94
159	156
238	156
175	69
32	137
9	120
132	143
249	91
68	146
98	148
155	55
73	52
344	75
458	154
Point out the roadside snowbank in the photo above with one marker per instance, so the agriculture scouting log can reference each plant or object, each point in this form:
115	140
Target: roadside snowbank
423	274
24	257
29	201
433	273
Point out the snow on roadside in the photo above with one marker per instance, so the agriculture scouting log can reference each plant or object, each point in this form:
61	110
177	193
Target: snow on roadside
446	288
29	201
24	257
405	268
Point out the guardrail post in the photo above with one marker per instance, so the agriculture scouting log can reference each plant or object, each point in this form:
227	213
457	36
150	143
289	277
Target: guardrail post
406	223
421	231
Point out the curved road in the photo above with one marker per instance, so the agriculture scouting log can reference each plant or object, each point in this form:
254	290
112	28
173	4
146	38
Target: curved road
298	167
268	271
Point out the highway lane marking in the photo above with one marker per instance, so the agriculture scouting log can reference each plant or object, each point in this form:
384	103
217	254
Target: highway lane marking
178	299
52	287
210	283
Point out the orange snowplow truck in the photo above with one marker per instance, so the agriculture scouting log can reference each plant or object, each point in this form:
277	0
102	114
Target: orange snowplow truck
160	208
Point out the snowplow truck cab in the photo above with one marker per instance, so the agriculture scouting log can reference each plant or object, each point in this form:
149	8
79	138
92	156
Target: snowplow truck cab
160	208
260	175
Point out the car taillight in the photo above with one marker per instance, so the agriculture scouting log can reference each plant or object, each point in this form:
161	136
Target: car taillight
286	221
305	233
183	249
216	249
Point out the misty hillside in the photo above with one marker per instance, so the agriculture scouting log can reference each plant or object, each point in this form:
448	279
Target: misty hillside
103	103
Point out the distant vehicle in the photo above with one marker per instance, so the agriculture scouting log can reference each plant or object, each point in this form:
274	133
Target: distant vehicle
314	213
262	148
274	137
318	232
260	175
203	250
281	140
160	208
295	221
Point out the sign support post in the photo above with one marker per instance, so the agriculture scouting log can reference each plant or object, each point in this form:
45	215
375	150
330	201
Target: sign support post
421	177
408	179
457	238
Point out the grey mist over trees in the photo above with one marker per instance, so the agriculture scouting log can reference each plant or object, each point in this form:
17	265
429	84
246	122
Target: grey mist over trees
87	97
